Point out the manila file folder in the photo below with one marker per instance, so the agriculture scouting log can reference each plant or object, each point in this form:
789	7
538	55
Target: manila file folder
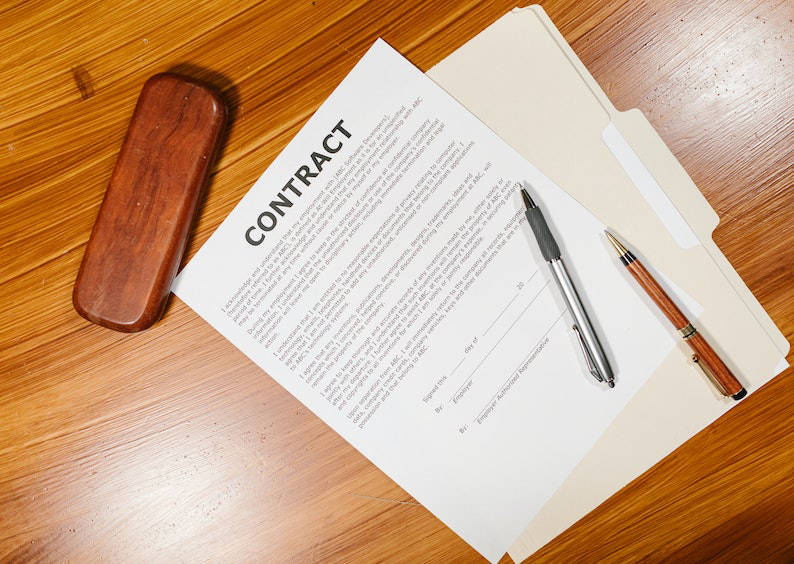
523	80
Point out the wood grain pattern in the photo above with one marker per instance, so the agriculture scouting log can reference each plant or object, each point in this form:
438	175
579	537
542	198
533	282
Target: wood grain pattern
169	445
657	294
705	356
716	370
142	227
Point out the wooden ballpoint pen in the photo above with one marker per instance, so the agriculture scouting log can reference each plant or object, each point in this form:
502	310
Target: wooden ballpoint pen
704	356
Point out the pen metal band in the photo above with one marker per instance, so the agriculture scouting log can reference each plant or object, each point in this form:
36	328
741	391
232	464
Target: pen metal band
687	331
627	258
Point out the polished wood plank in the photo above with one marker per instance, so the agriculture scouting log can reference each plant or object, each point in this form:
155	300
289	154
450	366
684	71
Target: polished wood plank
170	445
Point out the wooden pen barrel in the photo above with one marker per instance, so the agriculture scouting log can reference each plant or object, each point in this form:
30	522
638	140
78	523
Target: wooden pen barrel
657	294
714	367
708	359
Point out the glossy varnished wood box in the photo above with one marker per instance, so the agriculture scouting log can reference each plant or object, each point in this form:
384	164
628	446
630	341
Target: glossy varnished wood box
144	221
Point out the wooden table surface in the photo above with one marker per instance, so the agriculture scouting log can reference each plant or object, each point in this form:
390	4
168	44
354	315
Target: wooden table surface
170	445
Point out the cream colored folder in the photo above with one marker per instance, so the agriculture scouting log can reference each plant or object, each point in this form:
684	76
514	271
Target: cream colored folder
525	82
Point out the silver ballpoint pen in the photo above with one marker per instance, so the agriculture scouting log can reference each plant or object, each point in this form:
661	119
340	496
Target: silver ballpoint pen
594	355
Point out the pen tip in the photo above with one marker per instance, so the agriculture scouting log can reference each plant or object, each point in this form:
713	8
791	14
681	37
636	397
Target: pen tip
611	383
615	243
527	200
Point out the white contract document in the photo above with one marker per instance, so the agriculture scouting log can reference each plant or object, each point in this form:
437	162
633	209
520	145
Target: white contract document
382	271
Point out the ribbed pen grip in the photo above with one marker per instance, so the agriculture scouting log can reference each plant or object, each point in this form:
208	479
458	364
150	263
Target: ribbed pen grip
548	246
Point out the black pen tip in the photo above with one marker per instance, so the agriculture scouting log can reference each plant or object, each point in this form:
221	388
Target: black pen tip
527	200
740	394
611	383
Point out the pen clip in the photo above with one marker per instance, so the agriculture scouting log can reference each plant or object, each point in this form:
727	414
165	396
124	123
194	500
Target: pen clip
588	358
709	375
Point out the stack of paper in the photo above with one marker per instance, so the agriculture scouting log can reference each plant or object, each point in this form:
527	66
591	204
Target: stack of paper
617	166
381	270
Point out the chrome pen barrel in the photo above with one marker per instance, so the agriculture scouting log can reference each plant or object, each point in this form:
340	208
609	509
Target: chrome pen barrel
591	347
